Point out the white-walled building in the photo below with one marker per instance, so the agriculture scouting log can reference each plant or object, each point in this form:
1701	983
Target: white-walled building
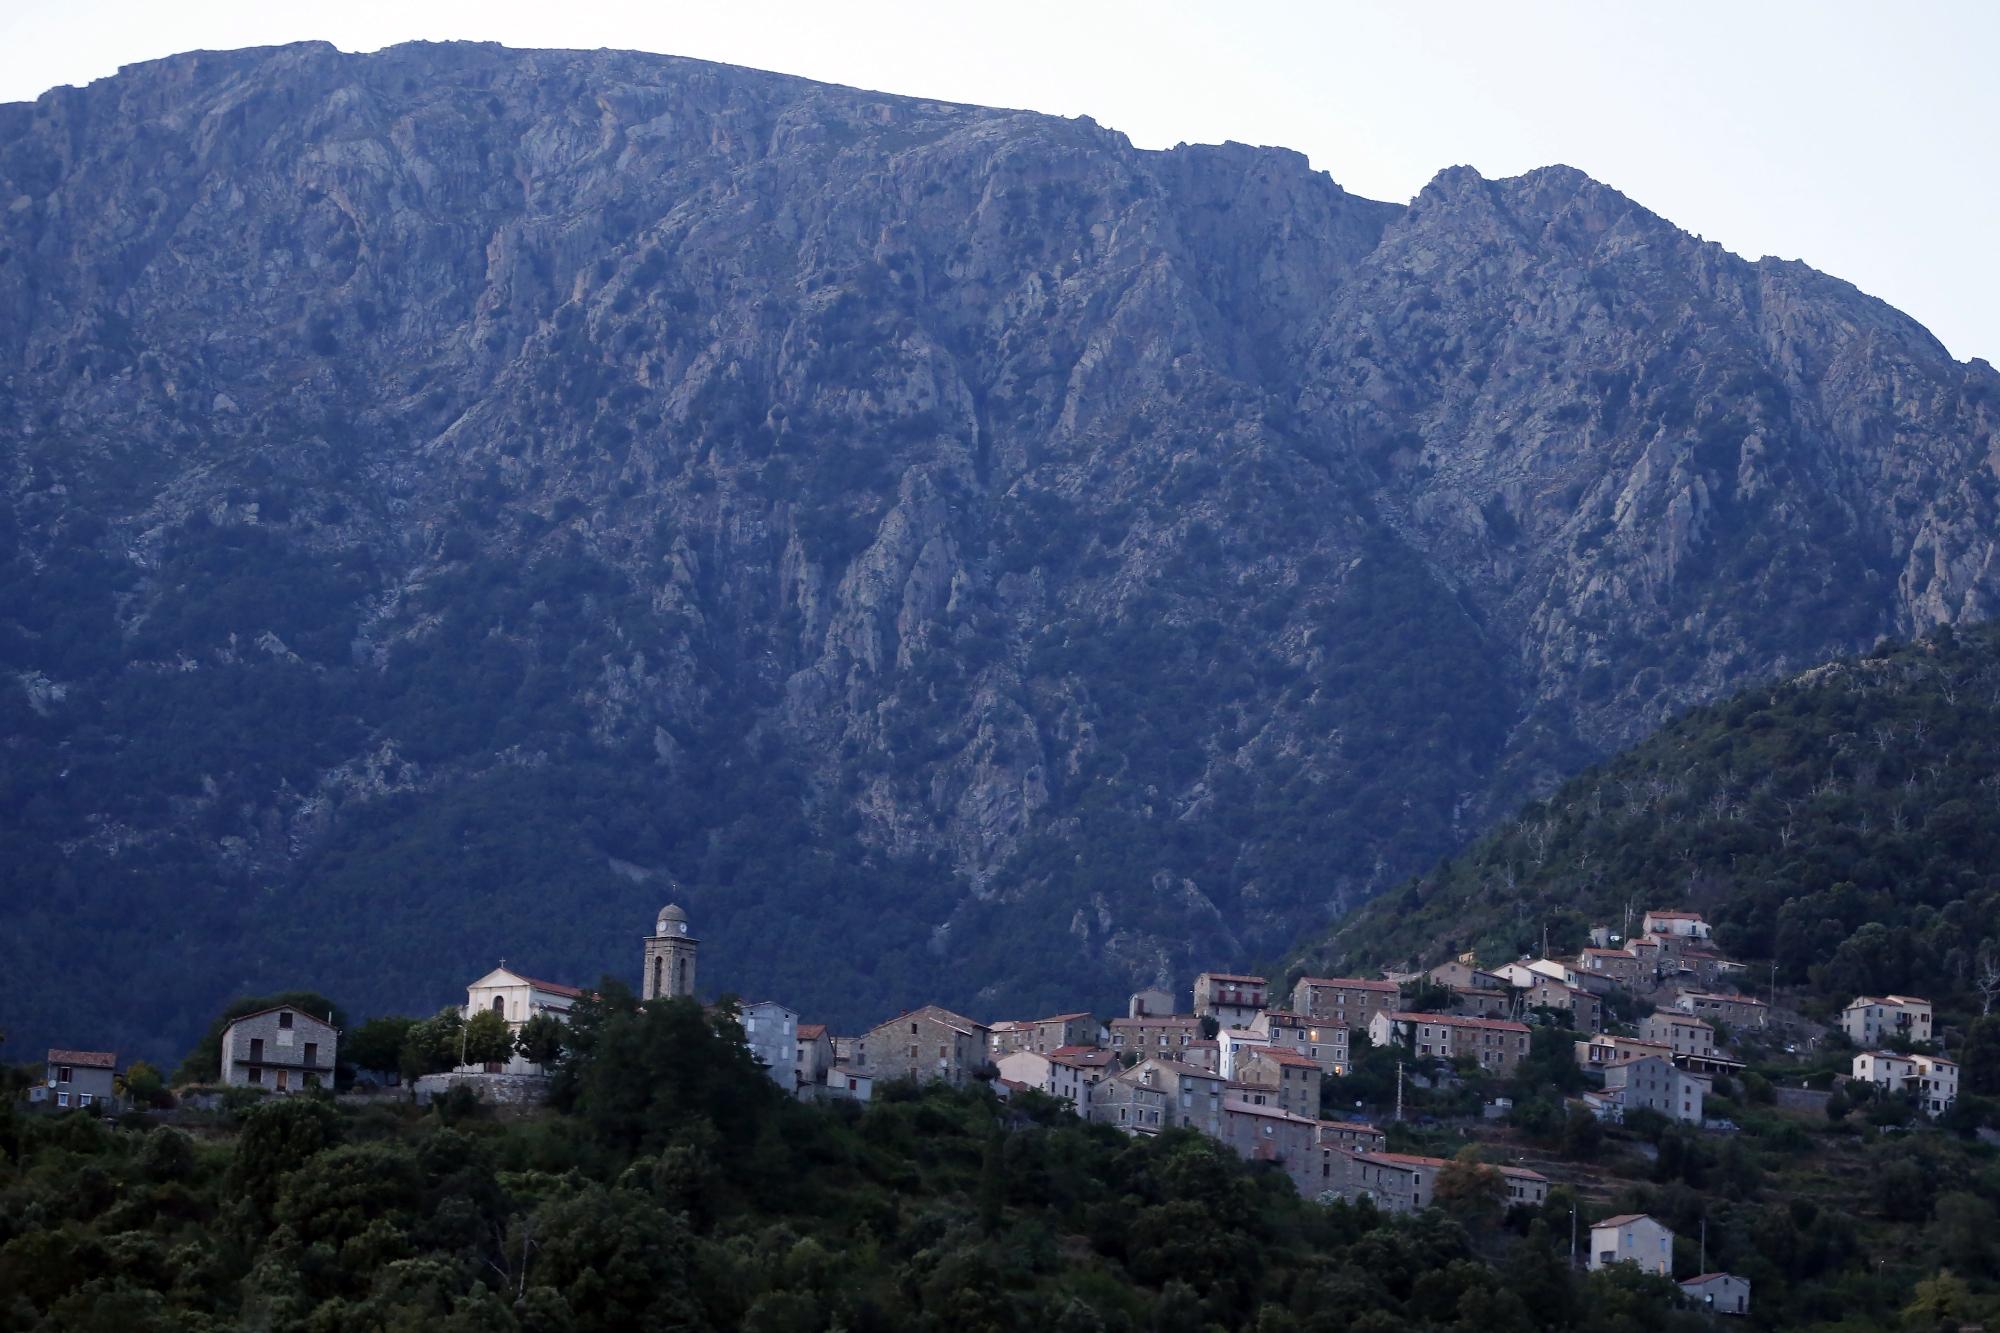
1932	1078
1632	1238
1681	925
516	998
1873	1019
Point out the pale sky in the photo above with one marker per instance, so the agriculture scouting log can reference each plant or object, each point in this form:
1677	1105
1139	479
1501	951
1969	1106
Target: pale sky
1861	138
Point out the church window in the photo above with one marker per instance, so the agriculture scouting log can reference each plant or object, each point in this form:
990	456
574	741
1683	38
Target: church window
659	974
681	976
500	1005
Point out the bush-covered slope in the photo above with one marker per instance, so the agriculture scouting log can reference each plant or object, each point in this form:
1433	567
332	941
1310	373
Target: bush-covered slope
1844	824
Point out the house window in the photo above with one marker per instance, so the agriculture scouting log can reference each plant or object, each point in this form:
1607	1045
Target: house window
312	1052
284	1081
285	1018
256	1074
63	1073
256	1048
62	1099
83	1099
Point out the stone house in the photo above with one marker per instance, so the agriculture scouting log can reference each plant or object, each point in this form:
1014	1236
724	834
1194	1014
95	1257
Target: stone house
925	1044
1617	965
1046	1035
1656	1084
1718	1293
1483	1003
1872	1020
1586	1011
814	1053
1154	1035
1394	1182
1290	1078
1324	1043
771	1031
1269	1134
1524	1186
1352	1001
1932	1078
1681	925
1354	1135
281	1049
1735	1010
1230	998
1190	1098
516	997
1132	1101
1152	1002
1680	1033
72	1079
1492	1043
1205	1055
1632	1238
1459	974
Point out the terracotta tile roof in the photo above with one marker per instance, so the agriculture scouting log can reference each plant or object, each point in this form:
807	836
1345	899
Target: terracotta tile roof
1234	976
88	1059
811	1031
1061	1018
1621	1220
1352	983
1461	1021
1348	1127
1269	1112
1406	1159
1521	1173
1285	1055
1700	1278
1161	1020
552	987
1675	916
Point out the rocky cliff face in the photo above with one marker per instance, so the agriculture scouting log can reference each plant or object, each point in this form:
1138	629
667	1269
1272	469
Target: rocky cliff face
463	489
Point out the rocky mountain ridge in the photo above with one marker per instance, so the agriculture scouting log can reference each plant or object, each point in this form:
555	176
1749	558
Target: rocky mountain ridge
463	489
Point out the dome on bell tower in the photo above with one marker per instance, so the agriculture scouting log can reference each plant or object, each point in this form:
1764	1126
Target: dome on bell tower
673	921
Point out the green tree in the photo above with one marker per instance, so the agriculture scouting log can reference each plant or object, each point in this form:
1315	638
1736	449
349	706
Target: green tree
432	1045
486	1039
1468	1188
541	1040
377	1044
143	1085
1979	1057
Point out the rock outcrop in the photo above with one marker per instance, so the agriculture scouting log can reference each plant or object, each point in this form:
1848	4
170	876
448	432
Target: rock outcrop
1093	559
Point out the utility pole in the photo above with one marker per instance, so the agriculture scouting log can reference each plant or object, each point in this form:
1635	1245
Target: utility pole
1572	1235
1704	1245
1399	1091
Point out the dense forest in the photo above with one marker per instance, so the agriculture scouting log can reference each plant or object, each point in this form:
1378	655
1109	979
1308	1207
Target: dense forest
1842	826
673	1185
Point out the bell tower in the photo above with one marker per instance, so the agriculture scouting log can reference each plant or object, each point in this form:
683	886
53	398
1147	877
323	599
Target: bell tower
670	951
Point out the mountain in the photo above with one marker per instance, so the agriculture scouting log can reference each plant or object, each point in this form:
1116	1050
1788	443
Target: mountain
456	499
1839	825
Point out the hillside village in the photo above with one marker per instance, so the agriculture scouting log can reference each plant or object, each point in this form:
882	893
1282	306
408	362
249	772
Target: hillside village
1652	1021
